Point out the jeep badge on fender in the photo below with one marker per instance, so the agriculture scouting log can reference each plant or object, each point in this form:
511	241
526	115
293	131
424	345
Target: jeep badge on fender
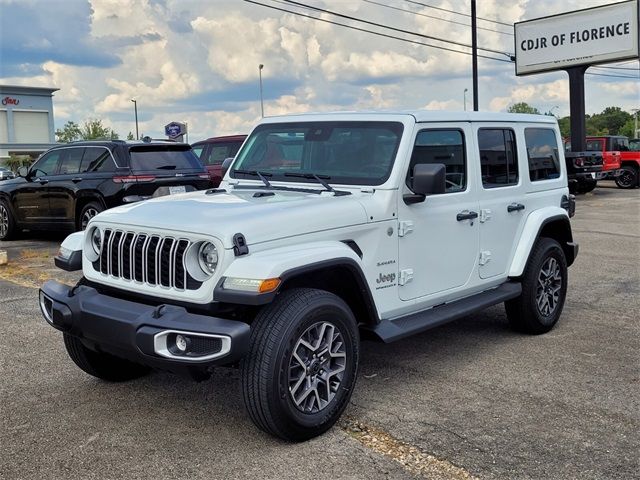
326	226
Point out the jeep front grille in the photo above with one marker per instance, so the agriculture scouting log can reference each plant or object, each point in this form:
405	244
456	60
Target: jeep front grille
150	259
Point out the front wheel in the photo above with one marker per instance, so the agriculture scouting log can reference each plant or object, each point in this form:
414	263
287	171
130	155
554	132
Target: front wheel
544	288
628	178
302	363
89	211
7	222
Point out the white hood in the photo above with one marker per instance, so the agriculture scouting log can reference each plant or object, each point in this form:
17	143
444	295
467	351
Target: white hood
258	218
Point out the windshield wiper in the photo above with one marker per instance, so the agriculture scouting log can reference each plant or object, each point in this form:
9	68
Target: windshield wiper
261	175
319	178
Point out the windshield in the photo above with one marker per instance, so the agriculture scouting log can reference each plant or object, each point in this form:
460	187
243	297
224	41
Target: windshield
358	153
161	157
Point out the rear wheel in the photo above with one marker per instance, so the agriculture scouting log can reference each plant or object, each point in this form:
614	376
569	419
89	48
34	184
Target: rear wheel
7	222
102	365
89	211
544	288
586	186
628	178
301	367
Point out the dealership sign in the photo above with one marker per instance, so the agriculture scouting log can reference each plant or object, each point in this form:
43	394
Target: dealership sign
175	129
584	37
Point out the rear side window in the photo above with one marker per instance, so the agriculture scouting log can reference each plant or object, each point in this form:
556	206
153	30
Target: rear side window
71	161
542	153
498	159
197	150
595	146
97	160
221	151
159	157
441	146
620	144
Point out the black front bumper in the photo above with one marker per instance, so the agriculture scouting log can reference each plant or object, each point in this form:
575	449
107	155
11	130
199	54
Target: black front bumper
130	330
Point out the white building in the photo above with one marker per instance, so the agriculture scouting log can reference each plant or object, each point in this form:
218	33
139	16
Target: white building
26	120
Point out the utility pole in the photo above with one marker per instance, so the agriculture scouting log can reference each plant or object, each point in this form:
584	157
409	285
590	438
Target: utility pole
260	67
474	54
135	109
465	98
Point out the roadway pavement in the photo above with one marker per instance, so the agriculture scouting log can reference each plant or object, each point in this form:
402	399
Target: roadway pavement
468	399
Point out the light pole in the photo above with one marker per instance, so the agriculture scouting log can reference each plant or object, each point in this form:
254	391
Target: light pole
635	128
135	109
465	98
260	67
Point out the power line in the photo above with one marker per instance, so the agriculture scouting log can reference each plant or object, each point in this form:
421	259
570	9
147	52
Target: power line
620	68
459	13
433	17
400	30
380	34
611	75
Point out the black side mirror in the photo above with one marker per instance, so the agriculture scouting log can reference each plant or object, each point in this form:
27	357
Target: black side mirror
23	172
226	164
428	179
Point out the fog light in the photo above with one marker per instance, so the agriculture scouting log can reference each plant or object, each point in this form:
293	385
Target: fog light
181	343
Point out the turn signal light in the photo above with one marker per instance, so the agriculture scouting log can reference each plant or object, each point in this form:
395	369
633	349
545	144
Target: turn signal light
269	285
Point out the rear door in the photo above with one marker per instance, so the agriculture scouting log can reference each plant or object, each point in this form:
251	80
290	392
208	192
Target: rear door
503	206
64	185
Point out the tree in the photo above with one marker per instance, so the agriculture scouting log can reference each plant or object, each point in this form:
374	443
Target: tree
69	133
523	107
14	162
93	129
130	136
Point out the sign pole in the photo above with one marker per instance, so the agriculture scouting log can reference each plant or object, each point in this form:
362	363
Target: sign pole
474	54
577	110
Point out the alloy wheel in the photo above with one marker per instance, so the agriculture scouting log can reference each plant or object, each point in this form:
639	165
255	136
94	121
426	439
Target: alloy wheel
626	179
88	214
549	286
4	221
317	367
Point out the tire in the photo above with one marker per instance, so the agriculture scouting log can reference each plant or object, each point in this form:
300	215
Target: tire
583	186
274	383
102	365
629	177
7	222
525	313
89	211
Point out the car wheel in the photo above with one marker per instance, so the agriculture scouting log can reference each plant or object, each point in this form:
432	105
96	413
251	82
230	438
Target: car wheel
89	211
102	365
628	178
544	288
302	363
7	223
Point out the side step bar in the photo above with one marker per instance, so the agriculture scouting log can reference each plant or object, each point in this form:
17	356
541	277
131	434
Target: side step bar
391	330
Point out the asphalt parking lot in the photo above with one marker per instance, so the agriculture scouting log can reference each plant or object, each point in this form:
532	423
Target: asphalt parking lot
468	399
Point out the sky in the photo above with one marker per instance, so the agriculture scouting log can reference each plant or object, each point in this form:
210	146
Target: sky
196	61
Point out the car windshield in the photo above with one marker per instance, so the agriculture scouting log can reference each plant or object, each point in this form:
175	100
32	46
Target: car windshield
358	153
163	157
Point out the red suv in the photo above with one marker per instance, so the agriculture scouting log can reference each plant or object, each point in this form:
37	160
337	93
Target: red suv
213	151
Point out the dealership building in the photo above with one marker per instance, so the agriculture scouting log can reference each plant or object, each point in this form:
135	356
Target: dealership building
26	120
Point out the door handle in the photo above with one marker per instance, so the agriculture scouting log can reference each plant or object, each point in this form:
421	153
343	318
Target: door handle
43	181
515	207
466	216
76	179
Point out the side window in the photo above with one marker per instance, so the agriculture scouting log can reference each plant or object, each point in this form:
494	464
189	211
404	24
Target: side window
542	153
47	165
498	158
71	161
97	160
198	150
621	144
217	154
442	146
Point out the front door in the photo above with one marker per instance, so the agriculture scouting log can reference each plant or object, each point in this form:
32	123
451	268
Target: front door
439	237
31	200
64	184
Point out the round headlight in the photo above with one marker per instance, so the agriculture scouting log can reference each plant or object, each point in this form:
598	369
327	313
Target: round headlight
208	257
96	240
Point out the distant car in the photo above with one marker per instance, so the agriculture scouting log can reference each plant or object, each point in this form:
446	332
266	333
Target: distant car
6	174
70	184
634	145
213	151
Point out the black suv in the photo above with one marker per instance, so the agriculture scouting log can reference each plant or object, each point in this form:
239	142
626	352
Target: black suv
71	183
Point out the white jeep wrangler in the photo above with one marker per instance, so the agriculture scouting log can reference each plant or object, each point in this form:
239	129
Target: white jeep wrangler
326	228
